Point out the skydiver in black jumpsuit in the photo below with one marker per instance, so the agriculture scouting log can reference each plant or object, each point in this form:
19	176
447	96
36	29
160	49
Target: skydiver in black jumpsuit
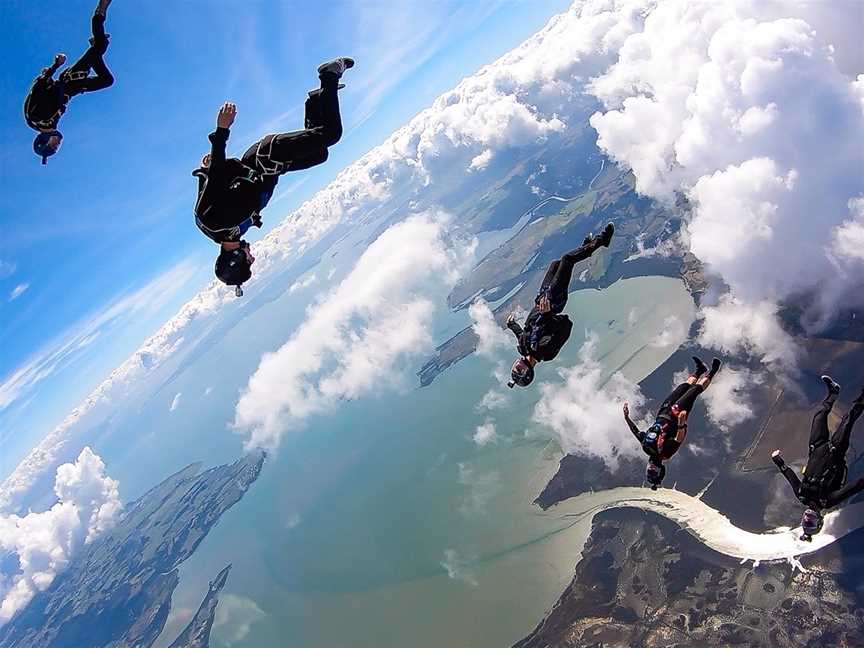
547	329
47	100
232	192
663	439
824	477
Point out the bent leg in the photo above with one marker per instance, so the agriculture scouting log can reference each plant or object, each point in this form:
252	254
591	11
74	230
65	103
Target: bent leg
672	398
550	275
299	149
331	118
77	77
840	439
560	285
819	427
322	111
686	402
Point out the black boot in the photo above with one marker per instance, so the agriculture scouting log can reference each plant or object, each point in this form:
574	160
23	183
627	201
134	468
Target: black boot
778	460
832	386
701	367
605	237
336	67
715	367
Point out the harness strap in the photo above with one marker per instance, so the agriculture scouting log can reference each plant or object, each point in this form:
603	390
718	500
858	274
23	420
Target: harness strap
230	233
264	157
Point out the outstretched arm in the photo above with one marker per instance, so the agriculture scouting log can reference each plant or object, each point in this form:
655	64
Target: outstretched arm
513	325
48	72
635	430
838	496
788	473
219	138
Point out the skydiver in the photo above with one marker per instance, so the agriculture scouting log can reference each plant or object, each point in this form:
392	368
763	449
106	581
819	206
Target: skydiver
824	484
47	100
232	192
666	435
547	329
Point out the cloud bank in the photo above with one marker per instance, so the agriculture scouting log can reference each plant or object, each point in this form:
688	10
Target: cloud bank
584	412
355	340
88	503
751	118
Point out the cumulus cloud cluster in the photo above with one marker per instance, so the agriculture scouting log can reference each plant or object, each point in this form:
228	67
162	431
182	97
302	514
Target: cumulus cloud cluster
485	433
584	412
491	338
673	334
751	118
88	503
354	340
728	399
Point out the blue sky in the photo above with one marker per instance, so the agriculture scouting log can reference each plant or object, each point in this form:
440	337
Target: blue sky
99	246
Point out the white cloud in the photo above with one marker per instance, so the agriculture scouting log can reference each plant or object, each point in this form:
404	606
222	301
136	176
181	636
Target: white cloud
735	327
235	616
481	488
485	433
491	337
493	399
847	245
674	333
458	568
176	402
58	353
728	398
584	412
44	543
18	290
751	118
481	161
7	268
300	284
354	341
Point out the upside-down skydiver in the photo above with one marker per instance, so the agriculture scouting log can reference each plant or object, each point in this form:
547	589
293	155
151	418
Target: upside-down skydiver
547	329
665	436
232	192
48	97
824	477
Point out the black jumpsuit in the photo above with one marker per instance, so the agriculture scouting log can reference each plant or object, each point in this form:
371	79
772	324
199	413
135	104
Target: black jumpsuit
825	473
46	102
232	192
545	334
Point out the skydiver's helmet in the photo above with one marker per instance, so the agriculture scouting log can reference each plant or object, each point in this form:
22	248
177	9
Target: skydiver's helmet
811	524
521	373
233	268
43	147
654	474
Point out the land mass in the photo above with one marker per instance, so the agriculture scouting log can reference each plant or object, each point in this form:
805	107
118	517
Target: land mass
117	590
643	583
197	633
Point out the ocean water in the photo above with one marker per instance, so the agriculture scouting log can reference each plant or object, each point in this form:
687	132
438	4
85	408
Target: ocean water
382	523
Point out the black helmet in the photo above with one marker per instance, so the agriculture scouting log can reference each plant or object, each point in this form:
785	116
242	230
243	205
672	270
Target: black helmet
811	523
521	373
654	473
233	268
41	146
